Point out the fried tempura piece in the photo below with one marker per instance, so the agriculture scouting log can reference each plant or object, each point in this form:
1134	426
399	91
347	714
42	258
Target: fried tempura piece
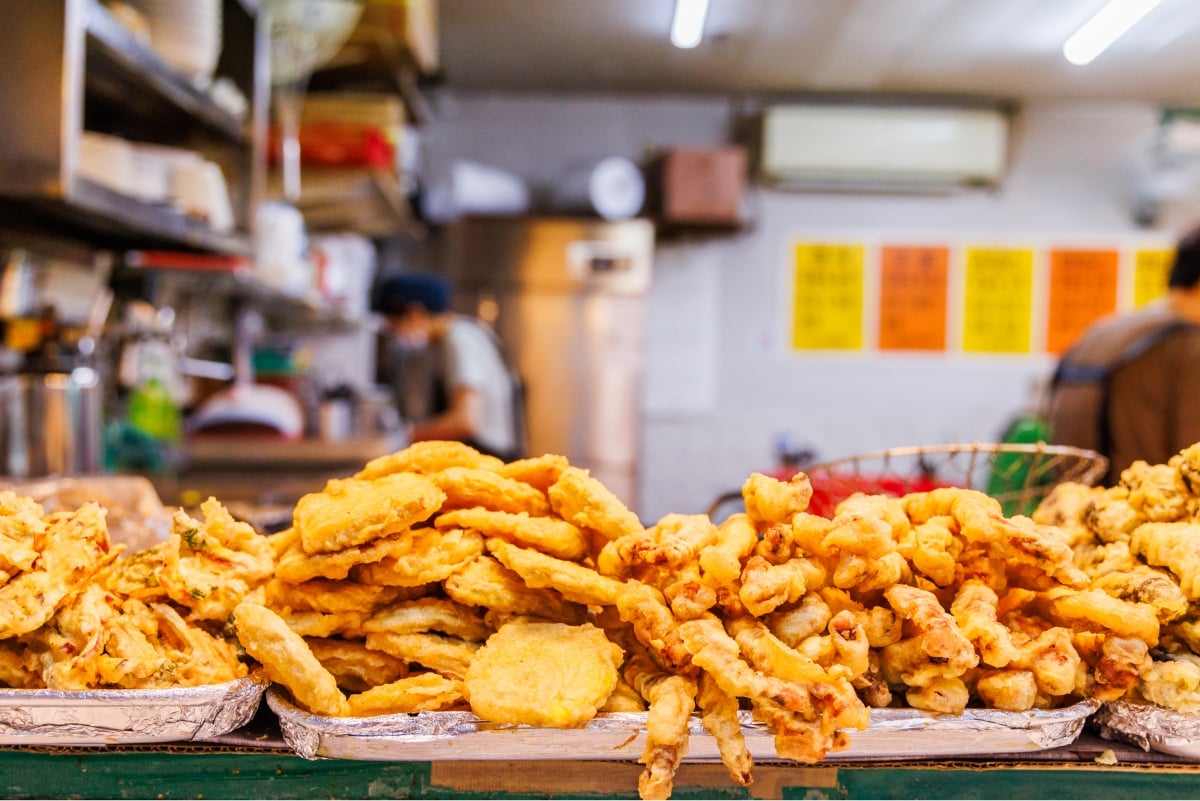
573	581
430	614
428	457
350	512
1156	492
1065	506
487	583
432	556
450	656
76	546
296	566
800	622
1010	690
766	587
719	716
721	561
547	534
1187	462
355	666
466	487
1110	515
328	596
1052	658
1091	609
1144	584
1175	546
1043	548
672	699
14	671
644	608
933	549
584	501
288	660
537	471
623	698
21	525
766	652
944	695
940	636
319	624
1117	667
1173	683
979	517
542	674
769	500
421	692
871	537
975	612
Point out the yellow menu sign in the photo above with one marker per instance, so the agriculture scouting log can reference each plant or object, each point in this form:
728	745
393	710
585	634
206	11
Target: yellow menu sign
912	297
1150	271
1083	287
827	299
998	300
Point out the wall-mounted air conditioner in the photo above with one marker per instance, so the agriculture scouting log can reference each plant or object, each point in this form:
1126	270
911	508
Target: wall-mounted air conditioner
883	148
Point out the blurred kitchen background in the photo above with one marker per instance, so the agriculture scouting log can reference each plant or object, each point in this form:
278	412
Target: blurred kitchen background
197	198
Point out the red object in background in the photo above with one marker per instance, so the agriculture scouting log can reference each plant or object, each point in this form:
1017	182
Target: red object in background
830	489
332	144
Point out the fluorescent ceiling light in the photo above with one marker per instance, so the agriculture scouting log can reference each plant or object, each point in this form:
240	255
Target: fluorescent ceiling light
1105	28
687	28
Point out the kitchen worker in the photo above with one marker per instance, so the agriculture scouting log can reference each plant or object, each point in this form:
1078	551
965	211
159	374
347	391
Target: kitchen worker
1129	387
475	395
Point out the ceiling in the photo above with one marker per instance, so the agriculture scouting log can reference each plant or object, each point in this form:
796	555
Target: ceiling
990	48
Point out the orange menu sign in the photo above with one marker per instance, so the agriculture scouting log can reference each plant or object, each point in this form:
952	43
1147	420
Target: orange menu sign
912	297
1083	287
827	311
1151	269
998	300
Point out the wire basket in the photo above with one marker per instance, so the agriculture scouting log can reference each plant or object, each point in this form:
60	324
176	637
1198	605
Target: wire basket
1018	475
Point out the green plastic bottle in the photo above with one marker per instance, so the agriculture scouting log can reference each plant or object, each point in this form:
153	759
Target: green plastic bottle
1011	471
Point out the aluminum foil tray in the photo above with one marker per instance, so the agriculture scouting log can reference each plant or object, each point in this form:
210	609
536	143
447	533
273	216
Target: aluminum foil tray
431	736
107	717
1154	728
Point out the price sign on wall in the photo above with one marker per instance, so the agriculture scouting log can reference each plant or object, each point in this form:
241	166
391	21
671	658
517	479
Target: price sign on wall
1150	271
912	297
998	300
1083	287
827	306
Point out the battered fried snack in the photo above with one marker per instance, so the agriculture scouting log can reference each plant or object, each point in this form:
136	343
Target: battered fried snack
486	583
537	471
430	556
719	716
587	503
429	614
76	546
547	534
574	582
450	656
348	512
420	692
288	660
329	596
672	699
21	525
1175	546
355	666
768	499
543	674
466	487
429	457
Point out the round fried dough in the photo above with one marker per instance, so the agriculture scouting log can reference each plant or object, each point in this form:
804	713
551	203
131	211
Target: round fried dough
348	513
543	674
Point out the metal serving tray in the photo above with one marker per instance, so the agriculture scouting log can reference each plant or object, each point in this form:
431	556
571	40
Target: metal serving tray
107	717
430	736
1153	728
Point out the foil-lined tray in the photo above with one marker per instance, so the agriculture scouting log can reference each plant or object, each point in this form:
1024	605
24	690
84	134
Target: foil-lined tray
1153	728
432	736
108	717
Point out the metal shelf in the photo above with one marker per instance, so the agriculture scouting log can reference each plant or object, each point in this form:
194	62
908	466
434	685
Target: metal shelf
123	68
122	221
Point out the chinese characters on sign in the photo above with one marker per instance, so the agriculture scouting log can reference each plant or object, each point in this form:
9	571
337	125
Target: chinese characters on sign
912	297
1150	271
828	297
1083	287
998	300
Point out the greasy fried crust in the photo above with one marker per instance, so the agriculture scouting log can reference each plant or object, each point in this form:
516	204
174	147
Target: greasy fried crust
288	660
587	503
574	582
296	566
430	614
672	699
537	471
355	666
466	487
421	692
543	674
549	535
486	583
769	500
428	457
348	512
430	557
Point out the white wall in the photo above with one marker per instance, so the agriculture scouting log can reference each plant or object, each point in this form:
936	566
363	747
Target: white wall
722	382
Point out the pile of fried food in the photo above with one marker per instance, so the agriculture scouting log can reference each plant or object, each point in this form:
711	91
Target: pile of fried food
438	578
78	613
1140	541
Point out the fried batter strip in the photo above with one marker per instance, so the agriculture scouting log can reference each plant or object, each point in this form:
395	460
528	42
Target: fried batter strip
573	581
428	457
450	656
486	583
355	666
672	699
430	614
719	716
769	500
430	557
586	502
466	487
351	512
420	692
547	534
